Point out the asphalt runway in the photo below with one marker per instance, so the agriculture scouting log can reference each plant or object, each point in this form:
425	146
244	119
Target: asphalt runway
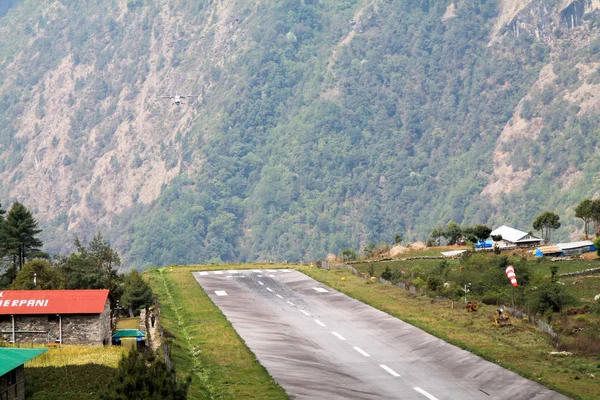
318	343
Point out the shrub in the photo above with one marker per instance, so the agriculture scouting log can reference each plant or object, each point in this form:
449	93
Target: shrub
371	269
550	296
387	274
434	283
143	377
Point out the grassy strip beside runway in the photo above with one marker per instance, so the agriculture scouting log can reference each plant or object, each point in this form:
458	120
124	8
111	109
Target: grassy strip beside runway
519	347
203	343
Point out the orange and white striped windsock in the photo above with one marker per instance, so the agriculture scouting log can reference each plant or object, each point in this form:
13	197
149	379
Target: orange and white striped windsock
510	272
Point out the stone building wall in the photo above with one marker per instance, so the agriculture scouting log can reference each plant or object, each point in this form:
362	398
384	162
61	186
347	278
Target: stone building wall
43	328
16	391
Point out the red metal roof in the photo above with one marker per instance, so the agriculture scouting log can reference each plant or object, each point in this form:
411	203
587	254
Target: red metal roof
13	302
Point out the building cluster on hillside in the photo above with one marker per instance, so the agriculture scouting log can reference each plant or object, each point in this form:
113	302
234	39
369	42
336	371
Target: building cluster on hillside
514	238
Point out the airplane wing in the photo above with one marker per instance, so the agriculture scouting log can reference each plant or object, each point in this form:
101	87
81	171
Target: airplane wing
166	97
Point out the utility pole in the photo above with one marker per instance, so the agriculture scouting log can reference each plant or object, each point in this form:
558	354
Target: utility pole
467	289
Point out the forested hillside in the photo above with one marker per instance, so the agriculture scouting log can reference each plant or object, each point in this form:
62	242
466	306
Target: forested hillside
314	126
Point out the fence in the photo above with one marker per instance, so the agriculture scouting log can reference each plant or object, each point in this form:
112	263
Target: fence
584	272
542	325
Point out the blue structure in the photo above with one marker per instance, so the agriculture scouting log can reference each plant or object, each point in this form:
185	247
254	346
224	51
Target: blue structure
487	244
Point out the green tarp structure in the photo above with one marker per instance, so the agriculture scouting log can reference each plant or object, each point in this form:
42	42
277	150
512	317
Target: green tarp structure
128	333
11	358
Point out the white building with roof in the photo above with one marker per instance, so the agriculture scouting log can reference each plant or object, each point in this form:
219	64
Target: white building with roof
515	238
573	248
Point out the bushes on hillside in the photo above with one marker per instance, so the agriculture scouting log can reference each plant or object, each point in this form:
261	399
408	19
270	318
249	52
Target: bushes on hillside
143	377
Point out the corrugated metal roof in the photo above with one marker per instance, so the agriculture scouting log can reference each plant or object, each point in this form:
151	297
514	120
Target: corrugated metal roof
452	253
549	249
12	358
513	235
19	302
574	245
121	333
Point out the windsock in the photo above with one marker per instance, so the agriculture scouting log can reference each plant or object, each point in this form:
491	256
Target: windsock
510	272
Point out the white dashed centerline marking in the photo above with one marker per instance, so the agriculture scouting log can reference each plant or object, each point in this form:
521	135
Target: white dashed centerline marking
261	283
337	335
305	313
424	393
218	272
361	351
391	371
259	276
220	293
271	270
319	322
257	270
291	304
203	273
280	296
269	289
320	290
271	276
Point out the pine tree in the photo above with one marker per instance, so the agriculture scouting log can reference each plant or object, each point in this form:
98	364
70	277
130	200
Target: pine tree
137	294
141	377
20	230
105	257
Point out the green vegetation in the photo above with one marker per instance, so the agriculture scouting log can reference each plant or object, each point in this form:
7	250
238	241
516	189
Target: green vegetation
71	372
324	126
141	376
203	343
18	239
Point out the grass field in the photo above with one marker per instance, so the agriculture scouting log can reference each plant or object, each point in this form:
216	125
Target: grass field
71	372
203	343
519	347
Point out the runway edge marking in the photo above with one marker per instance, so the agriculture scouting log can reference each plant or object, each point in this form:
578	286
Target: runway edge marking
424	393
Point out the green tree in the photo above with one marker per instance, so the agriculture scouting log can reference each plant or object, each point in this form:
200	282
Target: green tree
482	232
38	274
550	297
20	230
348	254
80	272
398	239
453	232
437	234
596	216
105	258
584	211
141	376
368	250
546	223
136	293
597	245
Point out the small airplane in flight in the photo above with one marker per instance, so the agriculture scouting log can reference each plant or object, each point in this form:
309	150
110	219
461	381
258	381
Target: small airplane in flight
177	99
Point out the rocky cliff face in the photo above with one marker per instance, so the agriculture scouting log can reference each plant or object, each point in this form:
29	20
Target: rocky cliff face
545	20
281	91
90	134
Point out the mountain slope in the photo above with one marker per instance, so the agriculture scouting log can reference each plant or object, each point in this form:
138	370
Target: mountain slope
315	125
